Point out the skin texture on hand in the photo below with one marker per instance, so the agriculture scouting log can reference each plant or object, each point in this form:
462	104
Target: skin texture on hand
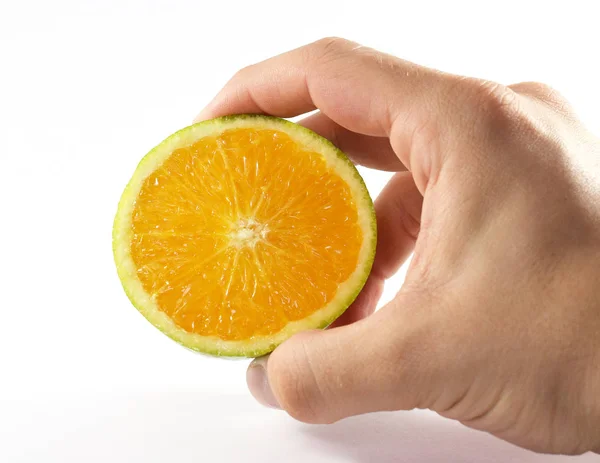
497	192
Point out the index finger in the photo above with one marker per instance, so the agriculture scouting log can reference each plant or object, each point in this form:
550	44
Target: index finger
359	88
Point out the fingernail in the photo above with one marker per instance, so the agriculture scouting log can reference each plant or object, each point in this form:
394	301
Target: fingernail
258	383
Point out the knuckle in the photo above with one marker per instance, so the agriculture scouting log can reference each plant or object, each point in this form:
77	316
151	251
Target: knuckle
505	114
495	112
496	101
545	94
293	379
329	48
241	74
534	88
332	44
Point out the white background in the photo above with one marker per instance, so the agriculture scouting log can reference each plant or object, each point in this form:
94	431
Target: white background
86	88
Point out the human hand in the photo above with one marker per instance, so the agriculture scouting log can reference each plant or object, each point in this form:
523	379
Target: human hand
497	191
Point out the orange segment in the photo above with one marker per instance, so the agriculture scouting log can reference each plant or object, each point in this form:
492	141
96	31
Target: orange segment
243	233
240	233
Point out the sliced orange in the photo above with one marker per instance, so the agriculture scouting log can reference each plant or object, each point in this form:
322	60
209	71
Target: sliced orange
235	233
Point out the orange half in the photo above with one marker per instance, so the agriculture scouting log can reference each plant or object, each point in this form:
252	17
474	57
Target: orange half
235	233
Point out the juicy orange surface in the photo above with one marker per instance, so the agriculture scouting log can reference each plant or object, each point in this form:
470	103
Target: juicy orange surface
241	233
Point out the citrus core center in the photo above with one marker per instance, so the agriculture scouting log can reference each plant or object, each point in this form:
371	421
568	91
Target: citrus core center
247	232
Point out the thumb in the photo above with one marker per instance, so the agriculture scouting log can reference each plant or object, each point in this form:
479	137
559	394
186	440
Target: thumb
323	376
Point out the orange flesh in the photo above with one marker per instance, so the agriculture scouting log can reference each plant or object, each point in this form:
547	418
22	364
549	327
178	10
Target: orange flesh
241	233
